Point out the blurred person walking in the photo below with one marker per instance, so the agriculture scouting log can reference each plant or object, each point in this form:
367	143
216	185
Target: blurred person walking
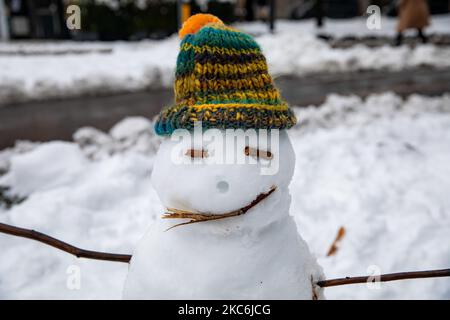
413	14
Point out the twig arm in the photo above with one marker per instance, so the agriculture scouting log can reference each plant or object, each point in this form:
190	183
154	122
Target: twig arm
385	277
80	253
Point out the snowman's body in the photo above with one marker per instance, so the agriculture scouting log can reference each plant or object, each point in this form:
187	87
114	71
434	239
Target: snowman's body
258	255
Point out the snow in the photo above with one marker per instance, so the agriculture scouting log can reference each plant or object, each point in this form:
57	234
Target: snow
132	133
43	70
6	154
382	174
103	205
126	67
379	167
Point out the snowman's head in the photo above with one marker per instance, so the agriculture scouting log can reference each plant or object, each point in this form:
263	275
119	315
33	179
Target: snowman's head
216	173
222	81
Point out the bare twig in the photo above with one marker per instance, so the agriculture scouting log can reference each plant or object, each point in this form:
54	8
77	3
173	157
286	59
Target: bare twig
385	277
80	253
334	246
200	217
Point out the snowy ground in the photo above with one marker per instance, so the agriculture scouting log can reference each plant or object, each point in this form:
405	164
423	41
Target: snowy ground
379	167
42	70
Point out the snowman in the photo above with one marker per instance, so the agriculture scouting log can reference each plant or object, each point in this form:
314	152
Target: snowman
227	232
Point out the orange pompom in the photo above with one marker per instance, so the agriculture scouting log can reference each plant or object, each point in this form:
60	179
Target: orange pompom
196	22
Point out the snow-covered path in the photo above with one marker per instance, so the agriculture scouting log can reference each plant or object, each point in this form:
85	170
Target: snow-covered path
379	167
122	67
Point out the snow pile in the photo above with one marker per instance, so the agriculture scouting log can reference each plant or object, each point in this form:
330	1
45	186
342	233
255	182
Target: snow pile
311	55
352	110
51	70
102	205
131	134
379	167
127	67
5	155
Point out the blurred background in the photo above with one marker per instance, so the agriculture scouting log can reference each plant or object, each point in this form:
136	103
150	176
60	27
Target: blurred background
369	80
154	19
124	46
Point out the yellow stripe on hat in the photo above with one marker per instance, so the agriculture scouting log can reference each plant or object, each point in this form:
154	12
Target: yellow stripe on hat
230	69
214	50
280	107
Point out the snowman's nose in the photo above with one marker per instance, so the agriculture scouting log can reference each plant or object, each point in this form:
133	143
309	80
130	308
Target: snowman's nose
222	186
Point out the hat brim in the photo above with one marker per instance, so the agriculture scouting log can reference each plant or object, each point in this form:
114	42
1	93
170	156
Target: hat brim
225	116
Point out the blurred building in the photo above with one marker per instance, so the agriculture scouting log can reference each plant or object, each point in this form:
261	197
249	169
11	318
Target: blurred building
4	26
342	9
139	19
40	19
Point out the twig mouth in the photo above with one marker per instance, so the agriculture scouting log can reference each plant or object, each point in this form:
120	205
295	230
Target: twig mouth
195	217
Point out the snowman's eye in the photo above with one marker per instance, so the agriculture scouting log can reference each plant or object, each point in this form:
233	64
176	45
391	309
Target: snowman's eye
258	153
193	153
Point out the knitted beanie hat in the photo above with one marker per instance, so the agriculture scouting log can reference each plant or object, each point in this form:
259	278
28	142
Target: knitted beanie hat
222	80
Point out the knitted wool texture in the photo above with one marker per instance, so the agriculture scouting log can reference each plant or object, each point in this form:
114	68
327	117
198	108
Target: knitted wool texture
223	81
